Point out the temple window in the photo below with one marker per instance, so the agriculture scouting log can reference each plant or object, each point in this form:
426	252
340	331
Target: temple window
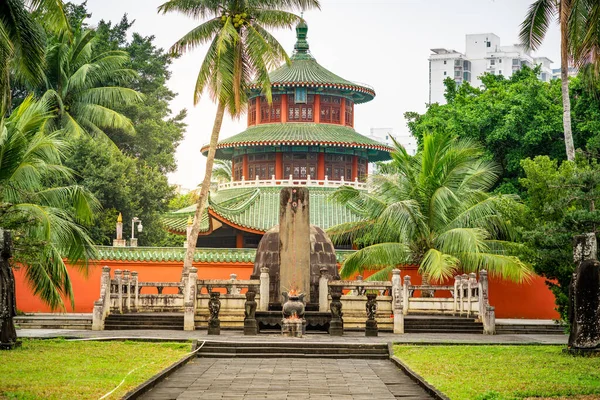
300	112
252	112
261	165
362	169
330	109
349	113
300	166
338	166
238	172
270	113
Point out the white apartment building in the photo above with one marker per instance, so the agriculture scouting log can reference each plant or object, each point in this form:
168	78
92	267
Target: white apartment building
384	135
483	53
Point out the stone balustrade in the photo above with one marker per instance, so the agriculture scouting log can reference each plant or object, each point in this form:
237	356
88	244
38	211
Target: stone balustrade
290	181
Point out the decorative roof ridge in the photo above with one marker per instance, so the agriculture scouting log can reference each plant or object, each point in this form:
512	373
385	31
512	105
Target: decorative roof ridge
235	210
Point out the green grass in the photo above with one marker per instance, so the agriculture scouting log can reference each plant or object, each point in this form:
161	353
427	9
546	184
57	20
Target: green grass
60	369
503	372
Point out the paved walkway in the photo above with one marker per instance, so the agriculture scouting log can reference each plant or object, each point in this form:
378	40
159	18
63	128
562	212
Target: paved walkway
287	378
349	337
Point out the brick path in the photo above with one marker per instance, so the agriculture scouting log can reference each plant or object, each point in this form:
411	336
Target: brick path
287	378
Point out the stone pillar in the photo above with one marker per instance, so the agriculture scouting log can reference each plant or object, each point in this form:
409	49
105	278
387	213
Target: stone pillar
371	323
214	306
585	247
405	294
127	285
189	323
397	302
489	325
105	281
264	289
250	325
119	280
455	296
323	291
336	326
135	288
294	240
119	241
483	294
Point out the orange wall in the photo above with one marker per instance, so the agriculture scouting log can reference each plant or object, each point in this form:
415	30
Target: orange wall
528	300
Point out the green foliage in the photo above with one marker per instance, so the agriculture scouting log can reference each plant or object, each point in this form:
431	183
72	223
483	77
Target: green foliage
503	372
222	172
561	203
434	210
46	215
512	118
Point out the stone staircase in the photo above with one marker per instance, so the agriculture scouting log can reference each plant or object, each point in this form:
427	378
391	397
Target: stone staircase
159	321
215	349
529	329
441	324
54	321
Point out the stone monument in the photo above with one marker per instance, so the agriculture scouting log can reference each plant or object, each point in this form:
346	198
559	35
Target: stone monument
214	306
8	302
371	328
584	297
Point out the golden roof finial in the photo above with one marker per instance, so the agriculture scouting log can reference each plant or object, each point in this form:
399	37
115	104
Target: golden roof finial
190	221
120	218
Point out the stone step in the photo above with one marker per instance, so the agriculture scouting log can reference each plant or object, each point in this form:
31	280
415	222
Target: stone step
291	350
531	329
117	327
436	330
53	322
295	355
299	344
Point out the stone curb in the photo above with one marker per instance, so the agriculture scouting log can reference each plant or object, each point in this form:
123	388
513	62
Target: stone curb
150	383
435	393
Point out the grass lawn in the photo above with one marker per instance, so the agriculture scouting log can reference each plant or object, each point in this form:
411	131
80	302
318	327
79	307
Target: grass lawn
60	369
503	372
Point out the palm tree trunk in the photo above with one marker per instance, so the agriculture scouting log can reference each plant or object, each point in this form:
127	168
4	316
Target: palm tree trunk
201	203
564	76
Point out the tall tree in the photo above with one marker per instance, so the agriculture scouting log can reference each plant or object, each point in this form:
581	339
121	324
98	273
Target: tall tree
22	41
434	210
240	48
579	22
47	219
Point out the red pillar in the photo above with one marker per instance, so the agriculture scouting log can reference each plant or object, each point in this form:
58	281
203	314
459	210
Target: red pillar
258	110
317	110
354	167
343	112
284	107
278	165
239	240
321	166
245	167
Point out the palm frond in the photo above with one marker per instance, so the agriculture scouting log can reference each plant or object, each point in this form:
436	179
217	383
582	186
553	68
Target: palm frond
536	23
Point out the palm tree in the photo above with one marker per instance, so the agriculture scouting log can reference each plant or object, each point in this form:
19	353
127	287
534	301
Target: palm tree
22	42
240	48
433	210
46	220
579	22
222	171
83	86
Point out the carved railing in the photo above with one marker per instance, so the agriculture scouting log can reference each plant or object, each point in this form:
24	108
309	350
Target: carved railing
292	182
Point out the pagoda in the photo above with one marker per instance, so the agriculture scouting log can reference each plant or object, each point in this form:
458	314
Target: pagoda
304	137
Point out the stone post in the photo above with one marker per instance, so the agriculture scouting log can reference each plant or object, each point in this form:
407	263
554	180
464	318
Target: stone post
469	292
336	326
185	281
323	291
371	323
585	247
119	279
119	241
397	302
405	294
135	288
264	289
455	294
234	289
127	285
214	306
105	281
250	325
489	325
189	323
483	294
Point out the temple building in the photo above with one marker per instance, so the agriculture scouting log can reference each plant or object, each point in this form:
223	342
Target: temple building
304	137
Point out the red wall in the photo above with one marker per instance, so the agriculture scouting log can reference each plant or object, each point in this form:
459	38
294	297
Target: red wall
528	300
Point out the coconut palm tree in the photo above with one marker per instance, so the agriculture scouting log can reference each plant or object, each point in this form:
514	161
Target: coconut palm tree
83	86
222	171
240	49
22	42
579	22
434	210
46	220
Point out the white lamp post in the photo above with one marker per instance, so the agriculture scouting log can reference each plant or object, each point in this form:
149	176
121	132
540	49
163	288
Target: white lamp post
135	220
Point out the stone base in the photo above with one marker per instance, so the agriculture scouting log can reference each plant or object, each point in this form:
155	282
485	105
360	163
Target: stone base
119	243
581	351
371	328
293	327
10	346
336	328
214	327
250	327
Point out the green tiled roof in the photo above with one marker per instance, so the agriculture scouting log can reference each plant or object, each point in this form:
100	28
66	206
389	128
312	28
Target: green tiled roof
303	134
176	221
258	209
304	71
162	254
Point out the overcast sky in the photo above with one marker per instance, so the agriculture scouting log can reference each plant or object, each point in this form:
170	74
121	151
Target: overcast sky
382	43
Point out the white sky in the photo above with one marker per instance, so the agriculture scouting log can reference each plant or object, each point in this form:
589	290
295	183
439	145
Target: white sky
385	44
